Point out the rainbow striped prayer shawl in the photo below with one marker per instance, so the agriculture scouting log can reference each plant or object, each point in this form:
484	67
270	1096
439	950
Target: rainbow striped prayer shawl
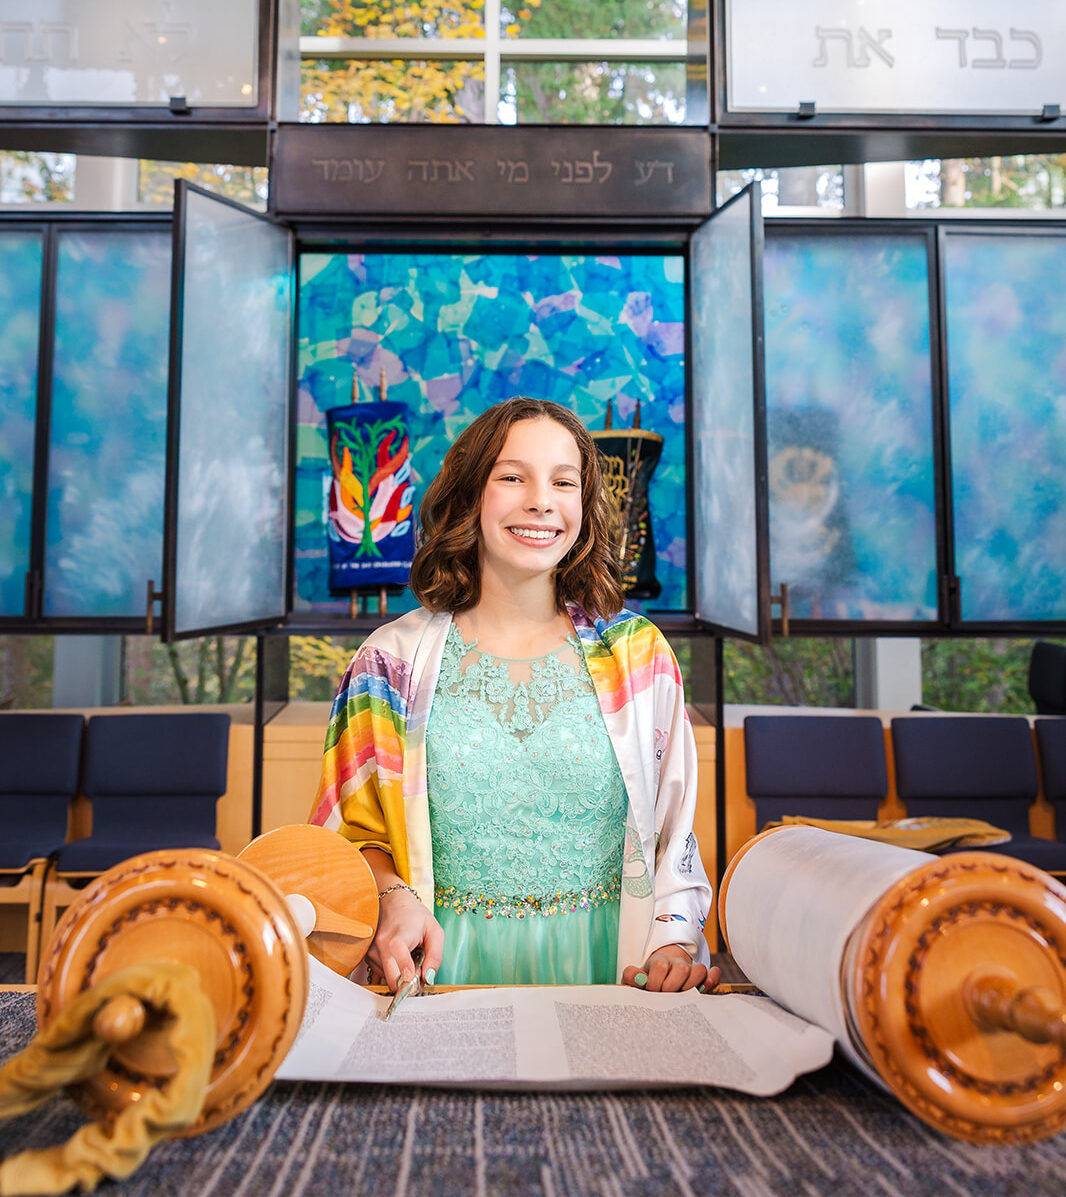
373	788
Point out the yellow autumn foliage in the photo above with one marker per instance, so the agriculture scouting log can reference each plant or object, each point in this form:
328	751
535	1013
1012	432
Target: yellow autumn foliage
319	657
417	91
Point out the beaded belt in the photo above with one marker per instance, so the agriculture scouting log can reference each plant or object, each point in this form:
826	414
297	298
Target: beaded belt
519	908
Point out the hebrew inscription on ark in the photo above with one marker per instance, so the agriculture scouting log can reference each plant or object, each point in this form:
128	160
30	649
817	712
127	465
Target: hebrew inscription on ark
578	172
414	169
977	48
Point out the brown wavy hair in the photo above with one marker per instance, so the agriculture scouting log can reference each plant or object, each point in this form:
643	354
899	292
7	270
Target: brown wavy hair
446	571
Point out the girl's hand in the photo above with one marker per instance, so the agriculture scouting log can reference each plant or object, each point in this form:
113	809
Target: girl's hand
403	925
670	969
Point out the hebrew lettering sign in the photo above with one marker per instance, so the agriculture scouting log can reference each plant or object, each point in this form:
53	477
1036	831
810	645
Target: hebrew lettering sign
476	170
927	56
129	52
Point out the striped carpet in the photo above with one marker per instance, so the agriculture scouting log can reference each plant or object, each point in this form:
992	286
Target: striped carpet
831	1133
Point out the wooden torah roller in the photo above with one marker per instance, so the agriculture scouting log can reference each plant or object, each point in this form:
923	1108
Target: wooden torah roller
199	908
944	977
329	886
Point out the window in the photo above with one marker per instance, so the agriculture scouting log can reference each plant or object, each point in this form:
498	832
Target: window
155	182
483	61
1014	184
792	190
977	675
30	178
800	672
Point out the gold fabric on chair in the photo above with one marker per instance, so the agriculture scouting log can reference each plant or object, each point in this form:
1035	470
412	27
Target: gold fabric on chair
926	834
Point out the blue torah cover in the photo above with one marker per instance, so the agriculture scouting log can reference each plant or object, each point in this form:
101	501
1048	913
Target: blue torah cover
370	497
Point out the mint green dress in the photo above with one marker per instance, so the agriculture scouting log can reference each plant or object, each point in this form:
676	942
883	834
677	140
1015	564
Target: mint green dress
527	813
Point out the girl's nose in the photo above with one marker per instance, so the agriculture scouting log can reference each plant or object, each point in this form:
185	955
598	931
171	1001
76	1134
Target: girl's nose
539	499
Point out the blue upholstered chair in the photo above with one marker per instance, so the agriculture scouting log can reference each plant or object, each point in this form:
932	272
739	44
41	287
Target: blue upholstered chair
1051	746
977	767
40	755
1047	677
153	781
820	766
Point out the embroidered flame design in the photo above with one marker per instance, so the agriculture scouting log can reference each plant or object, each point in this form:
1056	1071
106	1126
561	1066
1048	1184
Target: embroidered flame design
370	497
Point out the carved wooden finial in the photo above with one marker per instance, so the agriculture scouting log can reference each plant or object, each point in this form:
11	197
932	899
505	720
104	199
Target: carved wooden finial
996	1001
122	1018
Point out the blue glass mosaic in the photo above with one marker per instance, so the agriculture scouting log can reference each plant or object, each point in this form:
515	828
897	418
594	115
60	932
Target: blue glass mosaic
850	425
1006	337
236	351
107	456
727	582
456	333
20	305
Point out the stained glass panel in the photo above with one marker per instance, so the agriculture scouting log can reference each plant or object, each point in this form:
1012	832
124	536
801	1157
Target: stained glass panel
455	333
726	455
20	307
1006	332
106	462
233	424
850	425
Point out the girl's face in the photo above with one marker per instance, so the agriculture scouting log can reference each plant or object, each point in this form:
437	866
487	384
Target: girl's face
531	509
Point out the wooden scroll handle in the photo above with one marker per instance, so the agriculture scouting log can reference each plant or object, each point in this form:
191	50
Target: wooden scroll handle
958	993
312	914
331	922
76	1046
195	911
996	1002
329	887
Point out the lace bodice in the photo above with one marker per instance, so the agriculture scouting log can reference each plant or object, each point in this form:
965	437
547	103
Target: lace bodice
526	797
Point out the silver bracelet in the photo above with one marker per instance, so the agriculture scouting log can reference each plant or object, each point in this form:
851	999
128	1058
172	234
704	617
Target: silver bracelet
399	885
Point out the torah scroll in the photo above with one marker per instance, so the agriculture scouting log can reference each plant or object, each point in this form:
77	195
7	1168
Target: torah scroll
942	977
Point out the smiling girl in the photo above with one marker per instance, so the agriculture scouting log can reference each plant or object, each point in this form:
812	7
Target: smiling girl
514	758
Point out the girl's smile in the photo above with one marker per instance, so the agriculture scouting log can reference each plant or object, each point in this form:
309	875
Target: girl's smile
544	535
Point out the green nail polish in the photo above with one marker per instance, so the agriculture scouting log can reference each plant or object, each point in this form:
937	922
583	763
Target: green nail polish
701	988
431	975
640	979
